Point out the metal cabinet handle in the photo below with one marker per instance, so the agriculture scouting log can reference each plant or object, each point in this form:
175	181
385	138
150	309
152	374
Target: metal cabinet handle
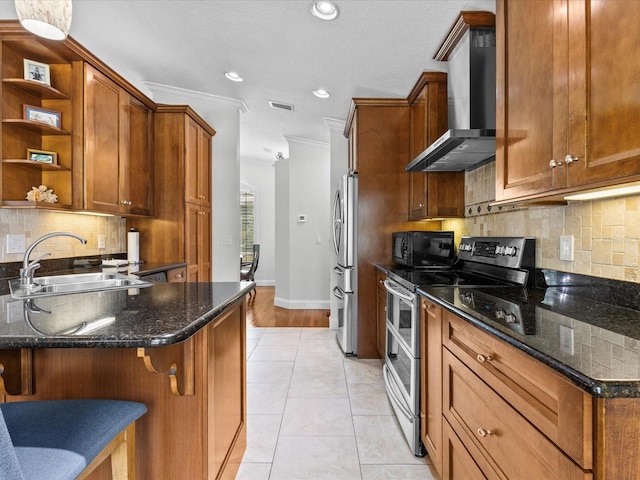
554	164
570	159
484	433
482	358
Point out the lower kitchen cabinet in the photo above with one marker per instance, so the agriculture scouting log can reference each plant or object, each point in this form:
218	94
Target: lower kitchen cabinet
381	323
491	411
195	392
431	379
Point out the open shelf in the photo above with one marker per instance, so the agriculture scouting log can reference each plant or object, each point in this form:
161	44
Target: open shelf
37	127
35	165
36	88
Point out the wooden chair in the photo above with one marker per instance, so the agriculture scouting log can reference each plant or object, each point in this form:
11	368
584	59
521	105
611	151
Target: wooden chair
67	439
248	270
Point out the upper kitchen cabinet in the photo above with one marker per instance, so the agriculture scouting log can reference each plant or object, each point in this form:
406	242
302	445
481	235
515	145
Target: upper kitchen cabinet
431	194
37	118
182	230
568	93
118	135
198	163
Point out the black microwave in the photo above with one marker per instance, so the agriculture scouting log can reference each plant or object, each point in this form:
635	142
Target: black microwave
423	248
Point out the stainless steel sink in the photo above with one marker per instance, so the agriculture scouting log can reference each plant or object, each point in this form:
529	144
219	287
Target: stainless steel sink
76	283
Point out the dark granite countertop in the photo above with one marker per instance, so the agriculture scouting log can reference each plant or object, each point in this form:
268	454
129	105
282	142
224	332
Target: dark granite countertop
603	357
163	314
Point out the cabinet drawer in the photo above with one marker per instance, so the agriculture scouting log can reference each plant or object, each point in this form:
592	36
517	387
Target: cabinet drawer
458	463
177	275
557	408
492	430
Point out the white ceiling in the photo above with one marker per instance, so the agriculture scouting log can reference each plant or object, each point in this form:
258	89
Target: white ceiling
376	48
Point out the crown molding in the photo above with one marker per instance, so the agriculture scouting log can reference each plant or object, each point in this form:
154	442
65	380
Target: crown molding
306	141
207	98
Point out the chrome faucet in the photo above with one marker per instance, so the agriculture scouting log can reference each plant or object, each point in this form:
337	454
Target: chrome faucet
27	270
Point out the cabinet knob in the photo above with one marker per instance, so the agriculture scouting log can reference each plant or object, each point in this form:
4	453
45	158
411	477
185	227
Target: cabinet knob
484	433
482	358
570	159
421	205
554	164
179	275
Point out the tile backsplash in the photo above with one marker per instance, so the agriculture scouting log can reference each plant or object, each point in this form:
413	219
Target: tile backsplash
35	223
606	232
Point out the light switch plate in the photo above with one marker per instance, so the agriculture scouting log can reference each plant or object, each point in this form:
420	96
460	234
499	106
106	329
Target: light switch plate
566	339
16	243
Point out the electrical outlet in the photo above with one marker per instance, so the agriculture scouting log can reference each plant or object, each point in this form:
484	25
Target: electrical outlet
566	247
566	339
101	242
16	243
226	239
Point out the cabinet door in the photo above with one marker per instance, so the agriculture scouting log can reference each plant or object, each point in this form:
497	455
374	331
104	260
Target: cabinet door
531	97
417	144
197	164
204	168
353	144
191	140
191	219
458	463
431	381
204	244
102	147
433	194
604	41
139	171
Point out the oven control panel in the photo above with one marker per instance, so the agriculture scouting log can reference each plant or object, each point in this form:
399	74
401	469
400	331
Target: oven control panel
497	309
511	252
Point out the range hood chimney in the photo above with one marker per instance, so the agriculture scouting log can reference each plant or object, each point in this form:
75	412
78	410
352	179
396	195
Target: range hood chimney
470	49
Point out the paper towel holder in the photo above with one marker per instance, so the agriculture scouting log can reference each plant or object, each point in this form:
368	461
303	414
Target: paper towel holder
133	247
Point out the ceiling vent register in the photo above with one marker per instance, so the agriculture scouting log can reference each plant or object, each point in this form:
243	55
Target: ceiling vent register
281	106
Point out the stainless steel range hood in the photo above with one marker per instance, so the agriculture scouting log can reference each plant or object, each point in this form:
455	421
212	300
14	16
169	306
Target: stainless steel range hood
471	84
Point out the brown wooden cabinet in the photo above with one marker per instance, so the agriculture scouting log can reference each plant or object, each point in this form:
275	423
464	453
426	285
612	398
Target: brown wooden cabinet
182	230
381	323
18	134
377	130
198	434
567	97
103	142
431	194
431	381
118	173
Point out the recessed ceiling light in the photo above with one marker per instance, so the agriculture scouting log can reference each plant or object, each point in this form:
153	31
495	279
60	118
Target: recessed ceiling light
325	10
233	76
320	93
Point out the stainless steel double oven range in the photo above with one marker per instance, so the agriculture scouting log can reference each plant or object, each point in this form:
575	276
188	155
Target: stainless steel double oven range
481	262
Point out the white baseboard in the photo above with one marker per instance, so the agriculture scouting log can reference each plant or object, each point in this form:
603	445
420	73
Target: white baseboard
333	322
302	304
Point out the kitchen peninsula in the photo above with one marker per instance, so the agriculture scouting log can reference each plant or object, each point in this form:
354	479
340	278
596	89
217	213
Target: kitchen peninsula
177	347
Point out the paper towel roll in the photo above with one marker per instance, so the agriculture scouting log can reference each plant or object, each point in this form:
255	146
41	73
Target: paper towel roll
133	247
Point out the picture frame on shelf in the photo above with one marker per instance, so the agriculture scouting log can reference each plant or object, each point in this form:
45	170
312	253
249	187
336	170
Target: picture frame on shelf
52	118
37	72
42	156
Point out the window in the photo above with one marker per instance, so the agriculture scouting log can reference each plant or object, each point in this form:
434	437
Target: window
247	224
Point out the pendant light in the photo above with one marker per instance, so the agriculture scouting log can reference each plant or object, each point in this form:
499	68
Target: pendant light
46	18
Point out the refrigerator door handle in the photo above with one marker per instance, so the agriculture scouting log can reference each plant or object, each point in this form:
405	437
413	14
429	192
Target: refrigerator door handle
339	271
336	231
338	293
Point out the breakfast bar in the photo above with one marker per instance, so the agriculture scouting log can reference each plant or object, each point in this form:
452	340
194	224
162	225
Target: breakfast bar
179	348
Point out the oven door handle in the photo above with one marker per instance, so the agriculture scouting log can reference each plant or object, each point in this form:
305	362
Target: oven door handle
392	289
391	390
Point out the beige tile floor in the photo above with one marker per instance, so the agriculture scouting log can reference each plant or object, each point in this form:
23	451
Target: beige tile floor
314	414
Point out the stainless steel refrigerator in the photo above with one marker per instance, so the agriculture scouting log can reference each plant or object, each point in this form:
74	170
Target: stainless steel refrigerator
345	278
